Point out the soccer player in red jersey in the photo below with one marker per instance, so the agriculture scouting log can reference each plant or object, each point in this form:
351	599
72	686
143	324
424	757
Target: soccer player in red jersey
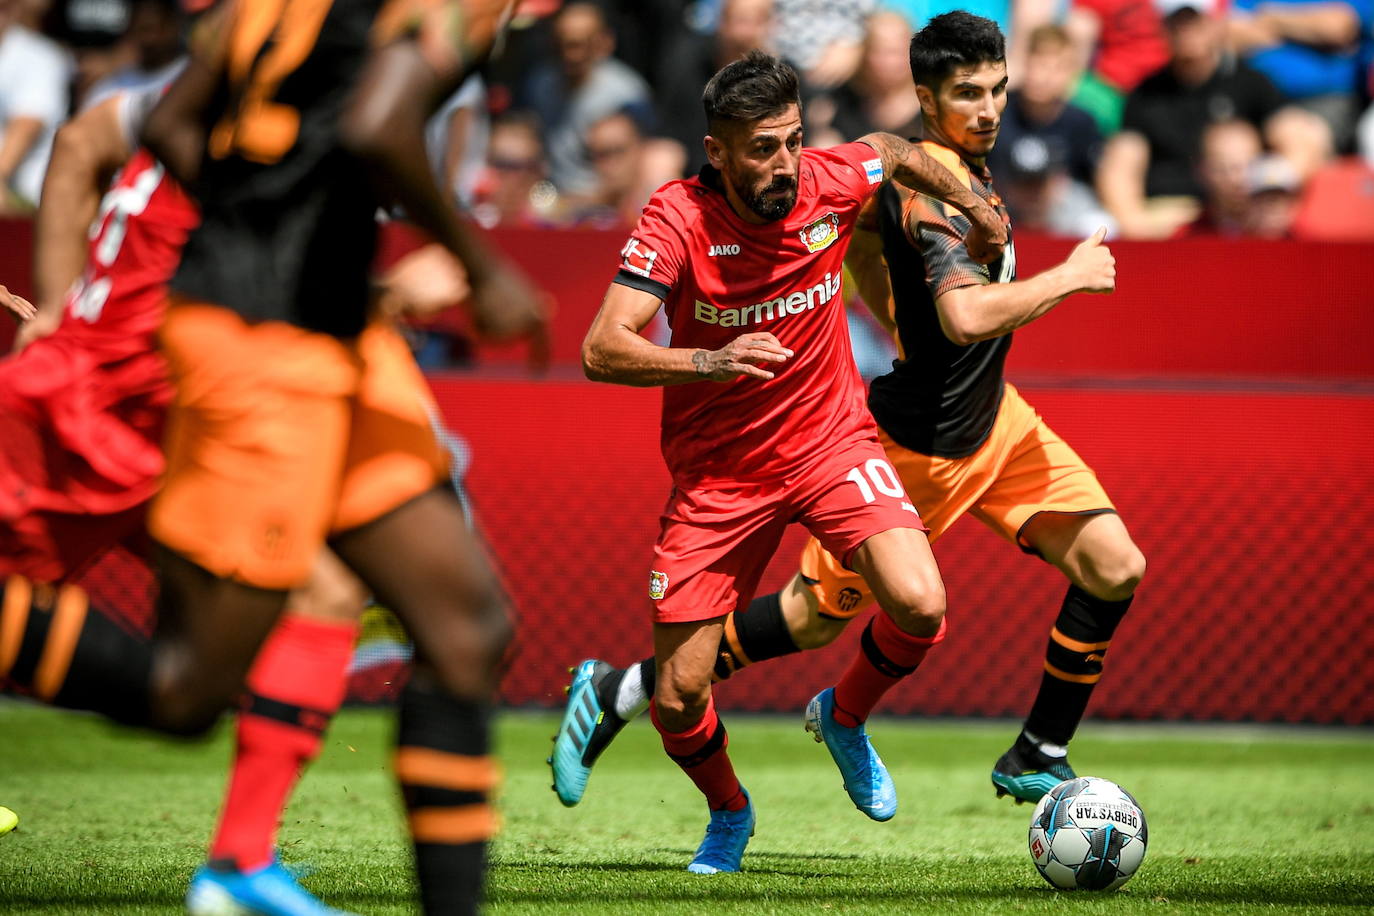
962	439
763	418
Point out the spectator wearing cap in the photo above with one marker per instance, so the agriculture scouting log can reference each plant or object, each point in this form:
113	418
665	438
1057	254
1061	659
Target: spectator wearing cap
1148	178
1042	196
582	85
1274	185
34	73
1315	51
155	40
94	31
692	59
1040	110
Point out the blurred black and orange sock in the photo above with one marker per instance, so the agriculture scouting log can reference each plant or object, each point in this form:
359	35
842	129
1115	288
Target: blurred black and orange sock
56	650
446	773
1073	664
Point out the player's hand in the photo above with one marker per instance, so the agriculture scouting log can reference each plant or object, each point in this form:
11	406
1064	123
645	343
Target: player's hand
745	355
506	305
41	325
988	235
423	282
21	308
1093	265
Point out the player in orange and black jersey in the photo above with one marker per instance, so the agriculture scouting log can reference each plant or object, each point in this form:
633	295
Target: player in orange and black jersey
292	425
961	438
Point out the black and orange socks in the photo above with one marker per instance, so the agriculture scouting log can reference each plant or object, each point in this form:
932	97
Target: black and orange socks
55	649
446	773
1073	664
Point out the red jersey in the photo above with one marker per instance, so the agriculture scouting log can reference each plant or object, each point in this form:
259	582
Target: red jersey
720	277
91	397
136	240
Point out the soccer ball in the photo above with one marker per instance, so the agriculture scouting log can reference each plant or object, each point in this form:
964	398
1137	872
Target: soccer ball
1089	834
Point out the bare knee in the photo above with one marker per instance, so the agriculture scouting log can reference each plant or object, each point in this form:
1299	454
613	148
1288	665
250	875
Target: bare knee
1114	577
681	701
917	604
333	592
467	640
186	705
817	631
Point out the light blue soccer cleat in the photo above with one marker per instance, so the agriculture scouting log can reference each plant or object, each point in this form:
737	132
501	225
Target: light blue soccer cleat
726	836
267	891
865	778
587	729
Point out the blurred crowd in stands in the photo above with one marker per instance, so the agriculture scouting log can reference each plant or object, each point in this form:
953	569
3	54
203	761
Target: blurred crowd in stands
1158	118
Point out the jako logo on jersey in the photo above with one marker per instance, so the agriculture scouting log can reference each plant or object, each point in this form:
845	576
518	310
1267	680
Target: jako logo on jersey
787	304
719	250
658	585
822	233
636	258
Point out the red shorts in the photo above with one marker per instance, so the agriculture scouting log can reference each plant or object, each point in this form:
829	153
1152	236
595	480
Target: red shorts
80	453
715	542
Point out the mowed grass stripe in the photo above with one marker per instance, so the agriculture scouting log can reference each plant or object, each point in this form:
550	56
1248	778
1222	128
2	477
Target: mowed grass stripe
113	822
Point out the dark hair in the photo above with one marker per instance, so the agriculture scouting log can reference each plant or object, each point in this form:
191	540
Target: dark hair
950	40
756	86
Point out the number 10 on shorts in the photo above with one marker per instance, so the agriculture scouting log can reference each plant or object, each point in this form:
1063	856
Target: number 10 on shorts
882	477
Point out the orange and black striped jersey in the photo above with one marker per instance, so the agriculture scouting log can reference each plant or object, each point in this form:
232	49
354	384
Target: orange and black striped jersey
288	225
940	398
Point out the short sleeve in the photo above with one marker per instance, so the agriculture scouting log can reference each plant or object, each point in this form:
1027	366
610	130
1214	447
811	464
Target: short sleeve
42	93
855	169
948	264
654	255
134	108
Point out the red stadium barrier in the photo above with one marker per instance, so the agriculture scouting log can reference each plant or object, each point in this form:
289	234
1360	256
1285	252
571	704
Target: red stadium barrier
1252	509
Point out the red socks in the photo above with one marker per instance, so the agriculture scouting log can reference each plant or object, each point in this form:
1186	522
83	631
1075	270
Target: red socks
886	655
294	688
700	751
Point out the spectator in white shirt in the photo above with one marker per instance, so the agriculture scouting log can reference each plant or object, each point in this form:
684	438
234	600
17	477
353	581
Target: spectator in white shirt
33	101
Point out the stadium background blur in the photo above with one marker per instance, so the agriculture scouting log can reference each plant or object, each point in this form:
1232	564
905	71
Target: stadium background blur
1225	393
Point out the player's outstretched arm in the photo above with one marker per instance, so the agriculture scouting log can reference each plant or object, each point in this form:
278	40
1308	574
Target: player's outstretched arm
614	350
384	125
969	314
908	164
86	152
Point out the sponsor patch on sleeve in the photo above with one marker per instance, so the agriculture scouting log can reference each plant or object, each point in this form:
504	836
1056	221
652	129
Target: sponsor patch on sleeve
873	169
637	257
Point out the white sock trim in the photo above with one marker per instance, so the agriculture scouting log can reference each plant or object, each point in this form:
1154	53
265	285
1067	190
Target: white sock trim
630	699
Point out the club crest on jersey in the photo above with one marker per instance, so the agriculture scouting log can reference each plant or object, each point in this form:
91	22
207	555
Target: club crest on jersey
637	258
658	585
821	233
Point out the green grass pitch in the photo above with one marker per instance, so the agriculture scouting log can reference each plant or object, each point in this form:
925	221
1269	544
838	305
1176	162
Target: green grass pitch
1241	821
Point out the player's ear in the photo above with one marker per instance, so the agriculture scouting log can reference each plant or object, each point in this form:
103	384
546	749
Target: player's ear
927	100
715	152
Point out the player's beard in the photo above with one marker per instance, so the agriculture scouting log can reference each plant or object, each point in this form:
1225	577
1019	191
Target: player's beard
772	208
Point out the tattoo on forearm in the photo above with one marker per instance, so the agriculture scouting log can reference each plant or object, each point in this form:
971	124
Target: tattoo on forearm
701	362
892	149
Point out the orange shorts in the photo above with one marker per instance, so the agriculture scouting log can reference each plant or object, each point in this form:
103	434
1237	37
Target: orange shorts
1022	470
280	436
